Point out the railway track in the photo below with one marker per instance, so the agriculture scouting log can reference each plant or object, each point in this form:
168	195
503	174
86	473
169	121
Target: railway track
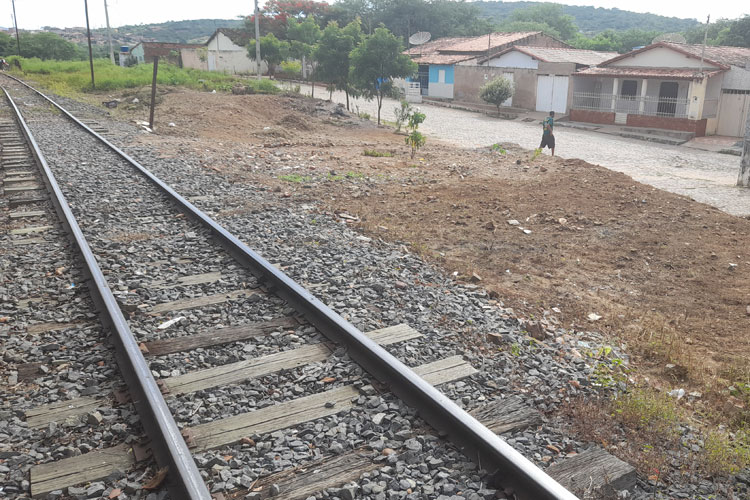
235	369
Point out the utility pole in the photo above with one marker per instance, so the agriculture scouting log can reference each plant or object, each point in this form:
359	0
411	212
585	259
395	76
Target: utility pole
744	178
257	38
15	22
109	34
705	39
91	53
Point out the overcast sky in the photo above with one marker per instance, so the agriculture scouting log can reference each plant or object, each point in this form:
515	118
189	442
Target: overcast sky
33	14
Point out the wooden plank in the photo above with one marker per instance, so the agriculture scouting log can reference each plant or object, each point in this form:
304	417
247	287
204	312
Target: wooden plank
30	187
29	230
38	328
272	418
32	213
507	415
593	472
91	466
19	179
304	482
445	370
247	369
18	201
28	241
196	279
233	373
28	371
60	410
230	430
8	172
206	300
218	337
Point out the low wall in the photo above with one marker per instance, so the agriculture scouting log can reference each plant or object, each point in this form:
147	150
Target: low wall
698	127
585	115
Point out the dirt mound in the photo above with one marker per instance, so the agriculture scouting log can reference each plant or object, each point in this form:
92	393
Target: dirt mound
294	122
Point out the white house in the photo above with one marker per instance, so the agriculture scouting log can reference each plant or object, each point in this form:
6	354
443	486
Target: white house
226	51
668	85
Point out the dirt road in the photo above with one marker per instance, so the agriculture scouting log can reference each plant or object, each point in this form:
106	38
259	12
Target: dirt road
701	175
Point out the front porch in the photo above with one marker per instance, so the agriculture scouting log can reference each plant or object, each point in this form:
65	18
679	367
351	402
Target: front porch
671	104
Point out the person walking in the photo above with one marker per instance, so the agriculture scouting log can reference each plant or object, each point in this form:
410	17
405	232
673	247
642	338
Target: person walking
548	137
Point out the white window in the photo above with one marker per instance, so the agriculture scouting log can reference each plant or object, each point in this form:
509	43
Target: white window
441	76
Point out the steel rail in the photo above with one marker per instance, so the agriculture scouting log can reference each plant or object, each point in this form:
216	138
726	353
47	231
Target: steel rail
475	440
183	478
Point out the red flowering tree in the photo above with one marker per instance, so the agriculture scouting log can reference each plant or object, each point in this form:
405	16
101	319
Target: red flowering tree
275	15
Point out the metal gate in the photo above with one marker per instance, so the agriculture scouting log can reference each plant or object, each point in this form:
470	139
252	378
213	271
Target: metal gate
733	110
552	93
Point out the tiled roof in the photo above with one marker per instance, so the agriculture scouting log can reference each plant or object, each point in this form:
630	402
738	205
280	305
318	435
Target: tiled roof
562	55
483	43
434	46
665	73
735	56
237	36
721	56
442	58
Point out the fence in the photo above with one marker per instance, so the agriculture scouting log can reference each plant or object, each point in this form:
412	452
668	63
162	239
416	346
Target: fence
676	107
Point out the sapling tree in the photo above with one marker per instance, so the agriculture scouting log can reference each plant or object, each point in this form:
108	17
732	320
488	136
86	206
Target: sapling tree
496	92
415	139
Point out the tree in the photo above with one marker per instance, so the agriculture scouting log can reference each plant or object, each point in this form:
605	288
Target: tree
333	55
550	14
744	178
276	14
415	139
47	46
496	92
274	51
376	62
302	39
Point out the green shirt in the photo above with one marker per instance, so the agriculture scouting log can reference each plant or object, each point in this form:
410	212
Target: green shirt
548	124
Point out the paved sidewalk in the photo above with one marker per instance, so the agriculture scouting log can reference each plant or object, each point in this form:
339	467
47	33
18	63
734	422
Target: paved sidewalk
705	176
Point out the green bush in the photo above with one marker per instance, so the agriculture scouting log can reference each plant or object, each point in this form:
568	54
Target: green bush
65	77
291	68
496	92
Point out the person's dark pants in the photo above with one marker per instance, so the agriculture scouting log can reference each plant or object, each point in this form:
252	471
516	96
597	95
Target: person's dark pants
548	140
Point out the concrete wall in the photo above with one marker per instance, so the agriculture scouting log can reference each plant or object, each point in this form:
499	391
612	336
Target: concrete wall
514	59
223	55
137	52
698	127
737	78
468	80
195	58
441	79
660	57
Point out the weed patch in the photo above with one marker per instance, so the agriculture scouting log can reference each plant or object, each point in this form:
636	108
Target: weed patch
377	154
295	178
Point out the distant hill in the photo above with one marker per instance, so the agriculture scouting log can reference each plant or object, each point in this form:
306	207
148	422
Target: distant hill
596	19
192	31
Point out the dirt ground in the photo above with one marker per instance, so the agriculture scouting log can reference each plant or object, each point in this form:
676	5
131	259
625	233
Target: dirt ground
664	274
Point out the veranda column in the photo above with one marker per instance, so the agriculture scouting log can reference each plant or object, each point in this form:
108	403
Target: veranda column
615	90
642	104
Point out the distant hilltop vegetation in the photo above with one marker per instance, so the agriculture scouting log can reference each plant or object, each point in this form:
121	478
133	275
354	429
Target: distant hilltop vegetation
596	19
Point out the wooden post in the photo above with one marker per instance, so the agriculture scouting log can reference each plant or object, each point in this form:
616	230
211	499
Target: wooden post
153	94
91	53
744	178
257	39
109	34
15	21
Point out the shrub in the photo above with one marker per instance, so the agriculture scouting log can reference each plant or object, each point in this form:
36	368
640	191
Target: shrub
496	92
415	139
291	69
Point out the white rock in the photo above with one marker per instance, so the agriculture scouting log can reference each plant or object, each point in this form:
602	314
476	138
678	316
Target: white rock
594	317
677	393
513	222
135	100
171	124
169	323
